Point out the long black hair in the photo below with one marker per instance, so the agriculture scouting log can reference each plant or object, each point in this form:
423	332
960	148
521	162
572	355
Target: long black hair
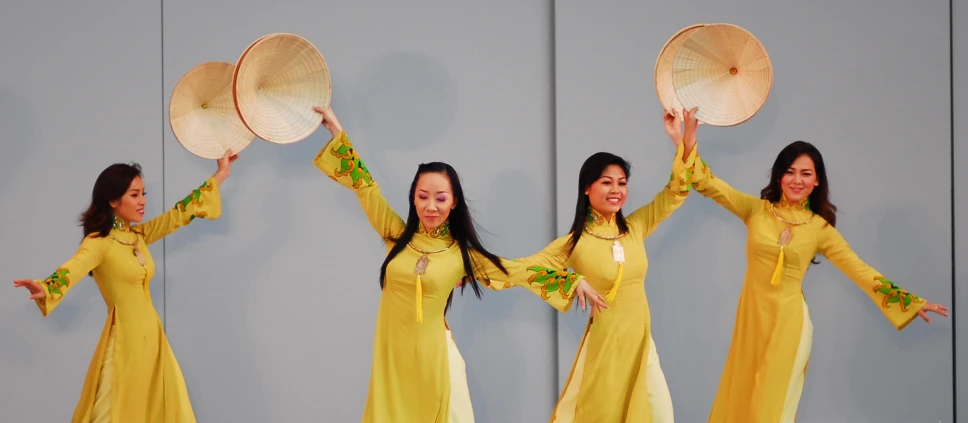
591	170
110	186
820	196
461	229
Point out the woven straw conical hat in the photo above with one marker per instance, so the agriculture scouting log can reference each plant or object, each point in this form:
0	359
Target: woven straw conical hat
278	80
202	112
725	71
663	69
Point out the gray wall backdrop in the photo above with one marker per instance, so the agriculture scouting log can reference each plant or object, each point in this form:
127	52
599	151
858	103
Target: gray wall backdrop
270	310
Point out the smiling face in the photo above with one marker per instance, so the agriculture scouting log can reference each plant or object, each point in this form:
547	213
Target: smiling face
799	180
607	194
130	208
433	199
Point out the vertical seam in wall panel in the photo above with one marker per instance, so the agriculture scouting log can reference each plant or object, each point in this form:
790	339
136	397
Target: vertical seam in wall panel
554	185
164	244
951	89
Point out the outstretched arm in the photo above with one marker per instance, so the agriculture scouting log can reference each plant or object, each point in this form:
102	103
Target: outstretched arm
899	306
556	286
702	179
648	217
49	292
340	161
203	202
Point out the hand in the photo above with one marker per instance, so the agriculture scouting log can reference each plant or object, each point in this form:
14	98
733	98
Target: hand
691	124
36	291
585	292
225	166
936	308
673	126
329	120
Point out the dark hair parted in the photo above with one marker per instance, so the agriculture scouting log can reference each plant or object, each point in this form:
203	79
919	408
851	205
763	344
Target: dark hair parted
591	170
461	229
820	196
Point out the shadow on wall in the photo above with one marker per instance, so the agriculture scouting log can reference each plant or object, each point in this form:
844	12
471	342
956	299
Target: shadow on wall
406	100
495	321
16	119
211	340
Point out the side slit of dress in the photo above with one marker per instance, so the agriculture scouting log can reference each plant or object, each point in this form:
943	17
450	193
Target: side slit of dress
461	409
567	409
101	412
795	389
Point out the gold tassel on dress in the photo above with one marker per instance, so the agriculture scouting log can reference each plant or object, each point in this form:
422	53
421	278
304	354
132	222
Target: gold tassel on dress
785	237
618	254
418	270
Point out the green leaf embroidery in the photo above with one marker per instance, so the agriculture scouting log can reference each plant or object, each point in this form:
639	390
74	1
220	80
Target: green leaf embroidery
194	198
351	164
553	281
893	294
56	280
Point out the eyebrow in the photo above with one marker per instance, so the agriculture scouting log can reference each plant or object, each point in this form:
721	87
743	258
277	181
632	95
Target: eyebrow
428	192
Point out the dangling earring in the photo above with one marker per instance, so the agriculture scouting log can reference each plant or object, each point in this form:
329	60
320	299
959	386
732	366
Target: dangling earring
118	224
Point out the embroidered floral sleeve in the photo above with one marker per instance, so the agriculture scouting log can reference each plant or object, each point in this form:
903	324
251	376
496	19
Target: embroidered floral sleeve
648	217
707	184
554	285
88	256
340	161
203	202
899	306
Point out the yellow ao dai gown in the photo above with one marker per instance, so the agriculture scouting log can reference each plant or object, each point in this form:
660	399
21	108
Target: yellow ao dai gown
767	361
133	376
417	373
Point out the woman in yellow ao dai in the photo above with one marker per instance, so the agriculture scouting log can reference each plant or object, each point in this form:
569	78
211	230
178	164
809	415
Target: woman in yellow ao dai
792	221
417	373
616	376
133	376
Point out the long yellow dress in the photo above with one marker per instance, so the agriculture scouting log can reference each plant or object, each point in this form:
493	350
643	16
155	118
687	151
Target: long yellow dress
413	353
616	375
767	362
133	376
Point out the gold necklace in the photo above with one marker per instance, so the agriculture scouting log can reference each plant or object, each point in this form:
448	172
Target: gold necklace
777	216
137	252
419	270
600	236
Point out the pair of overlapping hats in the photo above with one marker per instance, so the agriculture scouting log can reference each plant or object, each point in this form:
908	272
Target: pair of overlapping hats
270	93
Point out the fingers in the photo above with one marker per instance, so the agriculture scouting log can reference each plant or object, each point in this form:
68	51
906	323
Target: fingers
319	109
600	301
581	301
938	308
924	316
37	296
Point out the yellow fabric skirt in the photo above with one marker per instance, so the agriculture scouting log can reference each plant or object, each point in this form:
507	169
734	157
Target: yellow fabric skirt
461	410
660	401
795	389
102	399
